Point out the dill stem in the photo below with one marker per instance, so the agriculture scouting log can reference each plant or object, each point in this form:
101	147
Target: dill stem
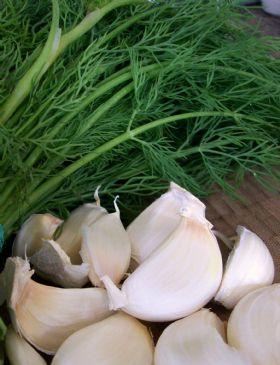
47	187
55	45
25	84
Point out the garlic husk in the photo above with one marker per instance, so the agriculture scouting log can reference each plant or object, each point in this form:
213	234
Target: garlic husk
249	267
70	239
198	339
117	340
177	279
253	326
52	264
20	352
36	228
159	220
106	248
44	315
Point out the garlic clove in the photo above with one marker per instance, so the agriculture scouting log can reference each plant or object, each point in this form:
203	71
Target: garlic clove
249	266
70	238
117	340
159	220
31	233
44	315
198	339
52	264
253	326
106	248
19	352
177	279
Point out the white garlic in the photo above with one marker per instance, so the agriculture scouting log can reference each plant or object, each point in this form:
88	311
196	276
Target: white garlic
70	238
254	325
177	279
46	315
31	234
19	352
52	264
249	266
117	340
198	339
159	220
106	248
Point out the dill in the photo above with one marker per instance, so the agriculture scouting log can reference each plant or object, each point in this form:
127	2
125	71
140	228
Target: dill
144	94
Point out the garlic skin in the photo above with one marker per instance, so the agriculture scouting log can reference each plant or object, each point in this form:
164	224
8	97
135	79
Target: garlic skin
249	267
253	326
177	279
19	352
36	228
159	220
52	264
198	339
106	248
117	340
44	315
70	239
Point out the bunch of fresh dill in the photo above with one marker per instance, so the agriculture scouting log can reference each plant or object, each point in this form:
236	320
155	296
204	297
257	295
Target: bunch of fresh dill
129	97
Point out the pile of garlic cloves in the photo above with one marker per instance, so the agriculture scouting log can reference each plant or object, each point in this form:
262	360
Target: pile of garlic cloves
102	280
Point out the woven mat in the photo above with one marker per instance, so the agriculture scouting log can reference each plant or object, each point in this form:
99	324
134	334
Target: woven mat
260	212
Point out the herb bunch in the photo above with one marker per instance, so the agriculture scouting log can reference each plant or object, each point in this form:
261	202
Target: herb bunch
150	92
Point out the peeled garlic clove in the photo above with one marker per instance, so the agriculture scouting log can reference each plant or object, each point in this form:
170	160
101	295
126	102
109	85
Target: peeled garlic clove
253	325
19	352
249	266
117	340
198	339
159	220
46	315
36	228
52	264
106	248
177	279
70	238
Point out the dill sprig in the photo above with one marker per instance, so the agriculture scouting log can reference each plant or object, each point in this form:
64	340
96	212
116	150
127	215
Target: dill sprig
182	91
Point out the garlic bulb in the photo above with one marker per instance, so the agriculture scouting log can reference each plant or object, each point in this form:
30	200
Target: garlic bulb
52	263
117	340
106	248
70	239
19	352
198	339
36	228
177	279
159	220
253	326
249	266
46	315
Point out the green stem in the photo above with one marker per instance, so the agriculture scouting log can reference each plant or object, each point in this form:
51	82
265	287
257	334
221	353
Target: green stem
25	84
53	183
89	21
54	47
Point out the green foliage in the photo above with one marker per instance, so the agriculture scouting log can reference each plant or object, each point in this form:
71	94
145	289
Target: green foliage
180	91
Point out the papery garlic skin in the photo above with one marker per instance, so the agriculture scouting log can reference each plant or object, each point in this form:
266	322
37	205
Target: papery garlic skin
117	340
31	234
198	339
70	239
52	264
47	315
249	267
253	326
106	248
159	220
20	352
177	279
